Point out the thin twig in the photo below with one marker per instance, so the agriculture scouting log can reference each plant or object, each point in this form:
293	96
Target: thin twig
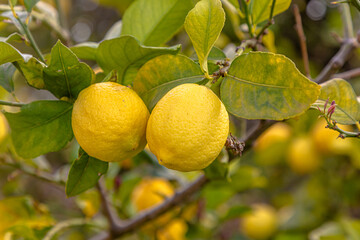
302	38
347	20
256	132
353	73
47	177
178	198
349	44
13	104
339	59
247	16
108	209
63	225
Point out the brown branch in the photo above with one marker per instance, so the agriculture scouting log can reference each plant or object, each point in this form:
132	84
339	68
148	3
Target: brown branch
255	133
119	228
178	198
108	209
353	73
300	31
31	171
336	63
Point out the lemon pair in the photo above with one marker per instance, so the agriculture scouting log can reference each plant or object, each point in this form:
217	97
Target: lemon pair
186	130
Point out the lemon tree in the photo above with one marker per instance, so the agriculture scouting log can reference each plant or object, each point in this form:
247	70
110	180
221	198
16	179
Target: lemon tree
184	119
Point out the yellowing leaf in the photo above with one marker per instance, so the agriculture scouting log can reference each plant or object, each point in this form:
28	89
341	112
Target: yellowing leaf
203	24
347	109
261	9
263	85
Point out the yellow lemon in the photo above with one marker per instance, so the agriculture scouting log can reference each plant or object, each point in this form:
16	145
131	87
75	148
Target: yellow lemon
151	192
3	127
279	132
175	230
302	156
109	121
326	140
260	223
187	128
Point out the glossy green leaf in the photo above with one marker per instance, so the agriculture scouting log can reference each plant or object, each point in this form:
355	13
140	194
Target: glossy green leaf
126	52
154	22
9	53
29	4
260	9
86	50
203	24
6	73
40	127
32	71
66	76
215	54
159	75
85	172
266	86
347	110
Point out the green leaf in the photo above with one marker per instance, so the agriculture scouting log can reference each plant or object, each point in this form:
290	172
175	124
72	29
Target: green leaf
347	110
154	22
85	172
260	9
9	53
159	75
40	127
125	52
203	24
32	71
86	50
29	4
215	54
66	76
266	86
6	73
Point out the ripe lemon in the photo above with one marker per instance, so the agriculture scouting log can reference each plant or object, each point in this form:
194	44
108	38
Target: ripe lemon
302	156
109	121
326	140
3	127
175	230
187	128
151	192
261	223
279	132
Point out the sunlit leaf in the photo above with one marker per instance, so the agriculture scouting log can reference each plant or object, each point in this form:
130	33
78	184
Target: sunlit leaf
159	75
347	110
266	86
65	75
40	127
154	22
126	52
260	9
203	24
84	174
9	53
